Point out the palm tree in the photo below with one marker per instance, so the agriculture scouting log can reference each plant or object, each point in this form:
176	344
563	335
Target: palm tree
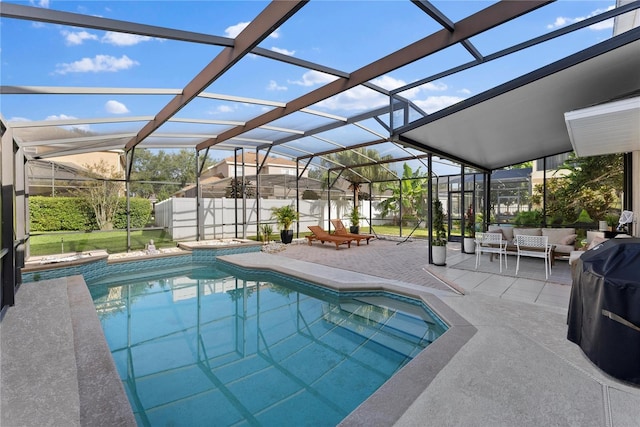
411	192
360	167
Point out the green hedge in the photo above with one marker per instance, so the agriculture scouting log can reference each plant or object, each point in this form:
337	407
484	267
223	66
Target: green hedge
60	214
140	209
75	214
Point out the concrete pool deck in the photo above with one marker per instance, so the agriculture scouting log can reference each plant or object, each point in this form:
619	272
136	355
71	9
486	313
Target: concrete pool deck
513	364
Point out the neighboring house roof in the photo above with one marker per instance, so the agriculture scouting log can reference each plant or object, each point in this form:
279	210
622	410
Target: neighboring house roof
250	159
521	173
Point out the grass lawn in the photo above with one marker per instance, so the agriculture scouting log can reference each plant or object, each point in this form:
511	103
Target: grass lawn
391	230
111	241
116	241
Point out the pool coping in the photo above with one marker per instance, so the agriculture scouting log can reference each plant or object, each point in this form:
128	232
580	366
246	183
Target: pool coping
389	403
103	400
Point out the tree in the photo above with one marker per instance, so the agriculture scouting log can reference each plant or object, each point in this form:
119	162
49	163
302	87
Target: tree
593	184
165	172
102	192
237	187
357	175
411	192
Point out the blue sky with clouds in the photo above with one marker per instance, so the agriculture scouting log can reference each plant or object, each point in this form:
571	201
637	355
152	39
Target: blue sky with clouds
345	35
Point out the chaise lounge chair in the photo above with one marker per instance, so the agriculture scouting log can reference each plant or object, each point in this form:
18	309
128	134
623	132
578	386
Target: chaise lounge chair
341	230
323	236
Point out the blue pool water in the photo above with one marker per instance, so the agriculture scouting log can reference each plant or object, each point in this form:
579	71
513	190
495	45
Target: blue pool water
220	347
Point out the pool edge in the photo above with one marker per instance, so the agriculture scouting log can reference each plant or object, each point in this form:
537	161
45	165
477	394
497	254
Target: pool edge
103	400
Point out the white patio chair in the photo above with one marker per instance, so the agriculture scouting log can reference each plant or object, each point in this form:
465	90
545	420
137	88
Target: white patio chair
534	246
491	243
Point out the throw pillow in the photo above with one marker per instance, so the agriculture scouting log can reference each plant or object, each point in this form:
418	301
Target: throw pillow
568	240
595	242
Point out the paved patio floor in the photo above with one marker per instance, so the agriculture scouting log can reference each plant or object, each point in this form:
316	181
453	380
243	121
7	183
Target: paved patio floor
518	369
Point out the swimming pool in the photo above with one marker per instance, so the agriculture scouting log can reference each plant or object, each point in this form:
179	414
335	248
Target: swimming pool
219	346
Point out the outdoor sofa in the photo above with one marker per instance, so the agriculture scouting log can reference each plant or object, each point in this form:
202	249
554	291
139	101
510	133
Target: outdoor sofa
563	239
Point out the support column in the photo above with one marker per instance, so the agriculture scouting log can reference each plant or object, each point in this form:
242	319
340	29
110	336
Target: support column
430	205
7	197
22	224
632	189
199	223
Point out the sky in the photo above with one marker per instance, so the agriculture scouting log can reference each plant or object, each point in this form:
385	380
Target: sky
344	35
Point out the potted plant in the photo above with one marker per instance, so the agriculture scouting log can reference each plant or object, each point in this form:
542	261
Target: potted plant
469	231
354	217
285	216
439	238
612	221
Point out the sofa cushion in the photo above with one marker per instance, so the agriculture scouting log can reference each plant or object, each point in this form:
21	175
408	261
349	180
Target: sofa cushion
507	232
569	240
564	249
560	236
527	232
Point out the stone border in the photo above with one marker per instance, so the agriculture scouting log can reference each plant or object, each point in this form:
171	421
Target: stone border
103	401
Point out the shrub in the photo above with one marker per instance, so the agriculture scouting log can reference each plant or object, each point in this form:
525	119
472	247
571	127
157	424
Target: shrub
60	214
528	218
140	212
76	214
310	195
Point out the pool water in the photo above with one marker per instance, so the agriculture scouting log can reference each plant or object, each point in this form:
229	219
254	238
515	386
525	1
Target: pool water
205	347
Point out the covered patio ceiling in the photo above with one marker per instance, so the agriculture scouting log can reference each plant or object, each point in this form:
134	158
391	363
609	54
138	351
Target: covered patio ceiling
524	119
505	124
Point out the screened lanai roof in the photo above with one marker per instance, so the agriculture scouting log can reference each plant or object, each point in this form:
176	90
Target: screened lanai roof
298	97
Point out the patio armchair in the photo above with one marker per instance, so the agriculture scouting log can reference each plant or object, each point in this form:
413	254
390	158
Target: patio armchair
534	246
491	243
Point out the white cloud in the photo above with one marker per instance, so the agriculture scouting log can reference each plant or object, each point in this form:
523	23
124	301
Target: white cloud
123	39
434	87
362	98
435	103
273	85
100	63
283	51
225	109
465	91
234	30
84	128
388	82
561	21
312	78
60	117
74	38
40	3
604	25
115	107
357	98
391	83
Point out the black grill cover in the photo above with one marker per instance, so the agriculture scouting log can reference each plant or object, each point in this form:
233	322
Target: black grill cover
604	310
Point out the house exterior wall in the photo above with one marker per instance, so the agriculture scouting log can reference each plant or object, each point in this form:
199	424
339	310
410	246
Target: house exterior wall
111	159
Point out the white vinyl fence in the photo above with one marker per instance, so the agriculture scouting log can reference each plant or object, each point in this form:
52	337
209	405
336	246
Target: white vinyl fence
178	216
